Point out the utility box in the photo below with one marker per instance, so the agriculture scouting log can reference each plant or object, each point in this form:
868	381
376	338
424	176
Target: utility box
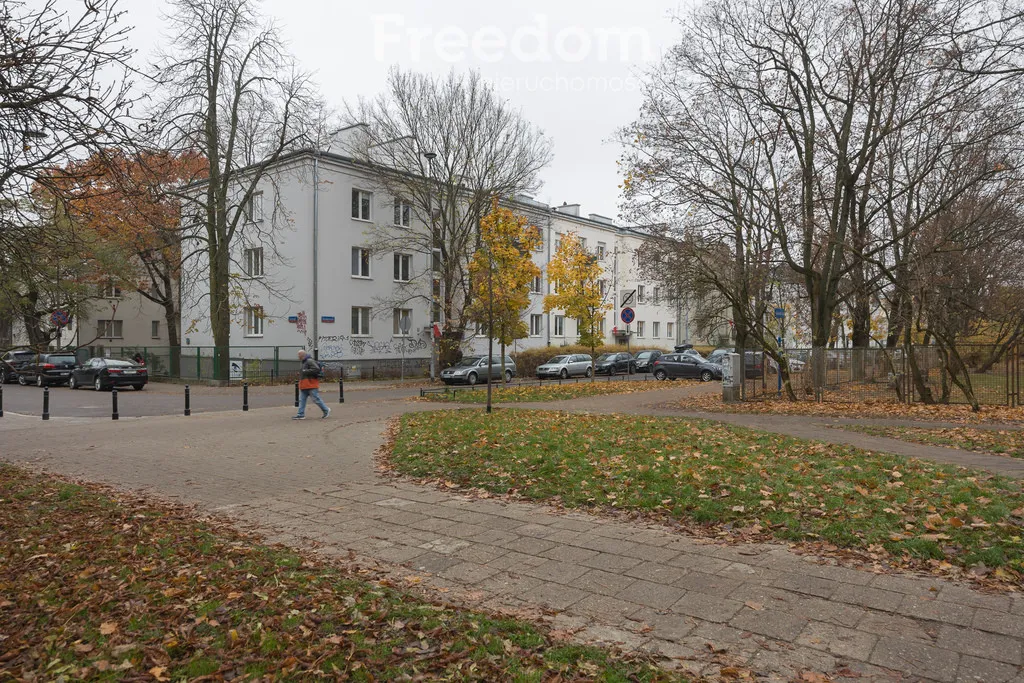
732	378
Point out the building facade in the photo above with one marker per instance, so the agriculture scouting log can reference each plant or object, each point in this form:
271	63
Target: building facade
337	297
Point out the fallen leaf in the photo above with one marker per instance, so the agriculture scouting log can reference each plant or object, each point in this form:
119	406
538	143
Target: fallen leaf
108	628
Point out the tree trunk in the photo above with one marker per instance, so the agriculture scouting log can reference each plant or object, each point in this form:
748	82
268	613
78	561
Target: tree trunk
173	319
220	312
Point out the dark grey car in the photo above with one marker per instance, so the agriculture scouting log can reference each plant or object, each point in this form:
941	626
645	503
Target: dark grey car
673	365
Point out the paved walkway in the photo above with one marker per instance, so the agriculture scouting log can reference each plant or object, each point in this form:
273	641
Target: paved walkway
702	606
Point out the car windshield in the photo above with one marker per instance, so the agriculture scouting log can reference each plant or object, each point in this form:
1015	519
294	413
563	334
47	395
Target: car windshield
645	354
61	359
558	360
605	356
468	362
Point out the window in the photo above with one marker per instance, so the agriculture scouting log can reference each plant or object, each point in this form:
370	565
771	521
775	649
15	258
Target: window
641	294
655	330
537	285
253	321
361	321
559	326
403	267
437	260
361	202
480	330
155	329
600	326
670	330
558	242
360	262
109	329
397	315
657	296
583	243
602	249
540	240
554	286
254	208
536	325
639	328
403	213
604	288
254	262
110	290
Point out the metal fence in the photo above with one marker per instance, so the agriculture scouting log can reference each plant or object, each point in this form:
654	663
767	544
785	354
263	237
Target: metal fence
910	374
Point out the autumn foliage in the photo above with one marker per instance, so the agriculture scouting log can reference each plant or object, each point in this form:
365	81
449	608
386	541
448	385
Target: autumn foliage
575	274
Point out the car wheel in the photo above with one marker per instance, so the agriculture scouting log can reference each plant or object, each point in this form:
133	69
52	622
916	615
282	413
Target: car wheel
660	375
471	379
39	381
631	369
21	380
706	376
72	384
97	385
508	377
4	379
590	372
564	374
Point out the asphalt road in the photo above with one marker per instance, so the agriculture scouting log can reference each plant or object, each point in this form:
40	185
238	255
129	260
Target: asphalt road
169	399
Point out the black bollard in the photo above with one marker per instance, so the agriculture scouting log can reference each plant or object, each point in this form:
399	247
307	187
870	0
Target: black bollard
1	397
46	403
296	394
245	397
341	387
113	400
188	401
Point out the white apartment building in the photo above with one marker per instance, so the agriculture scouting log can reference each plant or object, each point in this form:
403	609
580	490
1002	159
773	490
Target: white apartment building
329	296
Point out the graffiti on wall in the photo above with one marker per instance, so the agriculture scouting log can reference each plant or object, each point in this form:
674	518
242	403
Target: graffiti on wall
338	346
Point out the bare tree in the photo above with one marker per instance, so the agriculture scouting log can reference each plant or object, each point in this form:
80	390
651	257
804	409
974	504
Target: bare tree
444	147
232	94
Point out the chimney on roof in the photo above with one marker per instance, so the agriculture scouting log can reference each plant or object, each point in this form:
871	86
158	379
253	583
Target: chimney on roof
568	209
600	219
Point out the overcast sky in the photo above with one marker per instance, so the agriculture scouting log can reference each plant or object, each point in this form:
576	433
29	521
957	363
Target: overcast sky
570	66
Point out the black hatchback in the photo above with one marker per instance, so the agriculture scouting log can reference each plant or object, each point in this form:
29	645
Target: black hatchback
103	373
612	363
47	369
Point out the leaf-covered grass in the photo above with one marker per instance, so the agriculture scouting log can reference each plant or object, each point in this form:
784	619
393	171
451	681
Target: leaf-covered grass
995	441
719	478
549	391
93	588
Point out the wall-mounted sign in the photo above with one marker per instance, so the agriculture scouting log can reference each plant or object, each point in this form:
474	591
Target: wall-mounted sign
293	318
327	318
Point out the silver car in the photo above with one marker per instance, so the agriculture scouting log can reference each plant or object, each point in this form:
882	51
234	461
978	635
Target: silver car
571	365
473	369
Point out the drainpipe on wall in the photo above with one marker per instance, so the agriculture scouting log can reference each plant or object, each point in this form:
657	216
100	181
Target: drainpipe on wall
316	232
547	319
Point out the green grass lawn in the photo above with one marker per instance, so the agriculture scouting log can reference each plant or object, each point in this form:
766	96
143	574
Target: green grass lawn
93	588
725	479
549	391
995	441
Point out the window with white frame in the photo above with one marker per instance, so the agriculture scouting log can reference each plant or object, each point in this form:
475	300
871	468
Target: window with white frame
558	242
361	321
602	249
253	262
155	329
360	262
641	294
536	325
536	287
362	202
640	328
480	330
540	240
559	326
670	330
403	213
436	260
109	329
656	295
254	208
583	243
397	316
110	290
253	321
655	330
403	267
604	287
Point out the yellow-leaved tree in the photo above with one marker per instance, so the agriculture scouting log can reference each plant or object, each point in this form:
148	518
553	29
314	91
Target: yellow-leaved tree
501	271
575	274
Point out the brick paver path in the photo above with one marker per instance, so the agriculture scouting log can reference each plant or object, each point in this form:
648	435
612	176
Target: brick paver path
703	606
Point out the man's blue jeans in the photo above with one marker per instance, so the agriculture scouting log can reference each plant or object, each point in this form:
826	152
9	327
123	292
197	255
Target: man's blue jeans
305	394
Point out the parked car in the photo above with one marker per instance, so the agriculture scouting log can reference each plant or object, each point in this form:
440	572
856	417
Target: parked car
673	365
577	364
473	369
12	362
645	360
795	364
613	363
47	369
104	373
754	361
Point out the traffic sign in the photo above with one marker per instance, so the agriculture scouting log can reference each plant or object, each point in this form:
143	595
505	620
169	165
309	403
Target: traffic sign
780	313
627	315
60	318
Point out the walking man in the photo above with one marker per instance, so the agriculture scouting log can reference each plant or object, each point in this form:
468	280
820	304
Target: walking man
309	385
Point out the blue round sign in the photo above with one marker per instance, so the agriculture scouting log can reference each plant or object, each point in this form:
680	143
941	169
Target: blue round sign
627	315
